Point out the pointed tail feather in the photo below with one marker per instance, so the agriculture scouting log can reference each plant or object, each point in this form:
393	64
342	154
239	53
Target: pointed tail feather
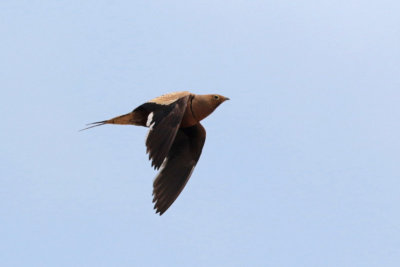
93	124
128	118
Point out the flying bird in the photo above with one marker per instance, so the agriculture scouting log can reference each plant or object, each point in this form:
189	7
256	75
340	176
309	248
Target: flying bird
175	138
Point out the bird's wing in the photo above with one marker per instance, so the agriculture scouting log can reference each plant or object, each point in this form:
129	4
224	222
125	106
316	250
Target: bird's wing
164	121
169	98
179	165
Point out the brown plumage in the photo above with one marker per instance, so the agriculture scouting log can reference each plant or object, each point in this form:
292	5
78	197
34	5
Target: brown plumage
175	139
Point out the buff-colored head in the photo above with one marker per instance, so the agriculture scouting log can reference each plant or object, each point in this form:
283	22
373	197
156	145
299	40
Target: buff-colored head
212	101
216	100
204	105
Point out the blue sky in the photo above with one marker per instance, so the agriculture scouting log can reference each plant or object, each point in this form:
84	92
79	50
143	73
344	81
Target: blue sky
300	168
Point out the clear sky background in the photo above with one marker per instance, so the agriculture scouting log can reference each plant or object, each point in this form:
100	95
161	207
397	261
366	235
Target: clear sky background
300	168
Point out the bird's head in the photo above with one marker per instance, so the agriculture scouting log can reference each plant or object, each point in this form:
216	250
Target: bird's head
204	105
216	100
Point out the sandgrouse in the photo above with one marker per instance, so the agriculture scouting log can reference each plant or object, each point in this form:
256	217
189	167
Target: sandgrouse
175	139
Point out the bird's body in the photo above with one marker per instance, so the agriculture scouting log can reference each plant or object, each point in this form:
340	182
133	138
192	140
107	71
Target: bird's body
175	139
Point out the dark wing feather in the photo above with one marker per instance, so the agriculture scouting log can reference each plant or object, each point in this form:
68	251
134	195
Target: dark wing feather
179	165
164	122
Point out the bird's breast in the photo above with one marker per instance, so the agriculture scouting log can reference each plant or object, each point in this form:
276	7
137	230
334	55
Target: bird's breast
188	119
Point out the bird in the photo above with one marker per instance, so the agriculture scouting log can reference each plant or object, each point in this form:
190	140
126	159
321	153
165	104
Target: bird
175	138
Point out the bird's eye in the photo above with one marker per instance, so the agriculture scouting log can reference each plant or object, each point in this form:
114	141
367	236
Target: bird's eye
216	97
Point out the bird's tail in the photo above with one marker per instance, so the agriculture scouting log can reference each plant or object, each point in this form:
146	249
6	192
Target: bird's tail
123	119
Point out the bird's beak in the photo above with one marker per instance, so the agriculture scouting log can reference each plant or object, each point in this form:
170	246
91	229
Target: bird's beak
226	98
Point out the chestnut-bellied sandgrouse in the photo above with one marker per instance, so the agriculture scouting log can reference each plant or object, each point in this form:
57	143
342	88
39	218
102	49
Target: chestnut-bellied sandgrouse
175	139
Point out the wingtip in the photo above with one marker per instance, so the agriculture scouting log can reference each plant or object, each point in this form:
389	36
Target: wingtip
158	209
159	213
